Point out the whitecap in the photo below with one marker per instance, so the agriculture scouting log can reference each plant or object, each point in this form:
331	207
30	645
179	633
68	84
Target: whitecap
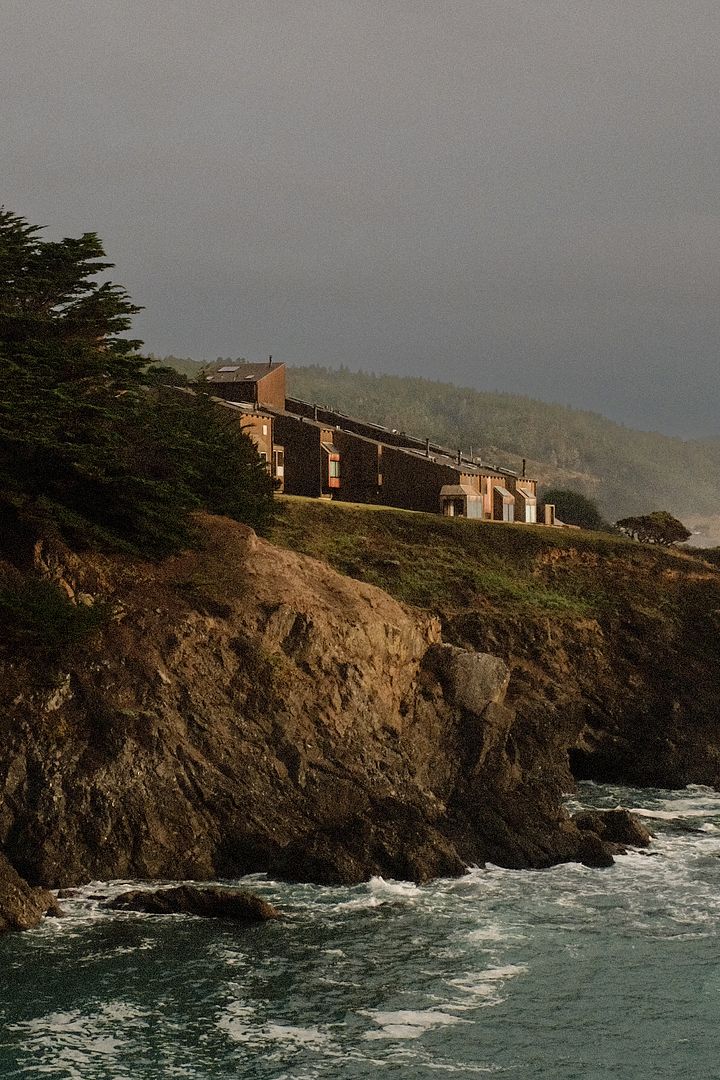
407	1023
298	1036
380	886
481	989
495	934
676	813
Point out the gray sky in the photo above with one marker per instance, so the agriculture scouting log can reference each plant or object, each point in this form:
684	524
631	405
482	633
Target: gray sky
518	195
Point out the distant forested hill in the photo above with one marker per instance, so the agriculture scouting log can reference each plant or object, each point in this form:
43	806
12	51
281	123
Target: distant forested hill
627	471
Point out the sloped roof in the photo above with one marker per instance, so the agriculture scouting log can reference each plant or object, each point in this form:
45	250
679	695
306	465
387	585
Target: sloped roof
241	372
456	490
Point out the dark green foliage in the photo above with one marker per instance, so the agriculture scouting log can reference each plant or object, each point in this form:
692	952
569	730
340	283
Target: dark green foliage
221	466
660	527
93	447
36	615
574	508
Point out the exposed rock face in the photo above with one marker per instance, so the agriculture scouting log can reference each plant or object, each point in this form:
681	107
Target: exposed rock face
249	709
21	907
627	701
210	902
472	681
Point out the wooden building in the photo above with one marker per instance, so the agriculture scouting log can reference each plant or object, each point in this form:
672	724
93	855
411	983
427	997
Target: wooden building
321	453
312	458
255	384
525	492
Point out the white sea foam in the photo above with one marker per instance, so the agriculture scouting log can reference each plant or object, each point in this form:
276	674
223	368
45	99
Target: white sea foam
495	934
242	1025
384	887
406	1023
73	1045
379	892
677	813
481	989
302	1036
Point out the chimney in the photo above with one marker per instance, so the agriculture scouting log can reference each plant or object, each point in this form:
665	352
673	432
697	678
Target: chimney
459	457
269	361
315	414
427	448
524	463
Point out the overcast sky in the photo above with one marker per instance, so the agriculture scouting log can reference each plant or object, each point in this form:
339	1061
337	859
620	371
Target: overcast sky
517	195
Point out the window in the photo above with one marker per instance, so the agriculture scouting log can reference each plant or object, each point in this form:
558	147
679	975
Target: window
264	429
279	456
334	469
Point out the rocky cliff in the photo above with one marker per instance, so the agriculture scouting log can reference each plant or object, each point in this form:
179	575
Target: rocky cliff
248	708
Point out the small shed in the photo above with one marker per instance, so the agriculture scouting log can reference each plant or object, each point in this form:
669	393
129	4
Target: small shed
460	500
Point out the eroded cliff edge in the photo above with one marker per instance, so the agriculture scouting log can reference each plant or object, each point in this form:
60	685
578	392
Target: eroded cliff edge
248	708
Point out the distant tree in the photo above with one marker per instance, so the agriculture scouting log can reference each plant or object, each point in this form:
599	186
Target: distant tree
574	508
660	527
89	446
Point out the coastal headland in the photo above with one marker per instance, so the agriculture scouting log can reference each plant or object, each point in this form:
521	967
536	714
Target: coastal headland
362	691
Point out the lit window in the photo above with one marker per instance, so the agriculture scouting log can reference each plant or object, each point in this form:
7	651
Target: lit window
334	469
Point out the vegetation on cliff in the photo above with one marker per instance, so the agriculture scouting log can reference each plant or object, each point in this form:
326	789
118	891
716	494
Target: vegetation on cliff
449	564
656	528
89	448
92	450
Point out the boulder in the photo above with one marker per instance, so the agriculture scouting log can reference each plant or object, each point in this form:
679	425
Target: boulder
211	901
470	680
21	906
614	827
593	852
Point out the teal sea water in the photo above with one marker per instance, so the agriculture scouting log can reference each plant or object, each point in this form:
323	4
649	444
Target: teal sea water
569	974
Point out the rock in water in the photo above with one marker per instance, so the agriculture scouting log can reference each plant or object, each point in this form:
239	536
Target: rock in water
21	906
211	902
614	826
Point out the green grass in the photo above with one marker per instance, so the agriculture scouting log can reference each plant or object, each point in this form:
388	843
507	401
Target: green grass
447	565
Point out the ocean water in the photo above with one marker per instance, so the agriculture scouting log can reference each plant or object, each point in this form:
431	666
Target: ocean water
568	973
